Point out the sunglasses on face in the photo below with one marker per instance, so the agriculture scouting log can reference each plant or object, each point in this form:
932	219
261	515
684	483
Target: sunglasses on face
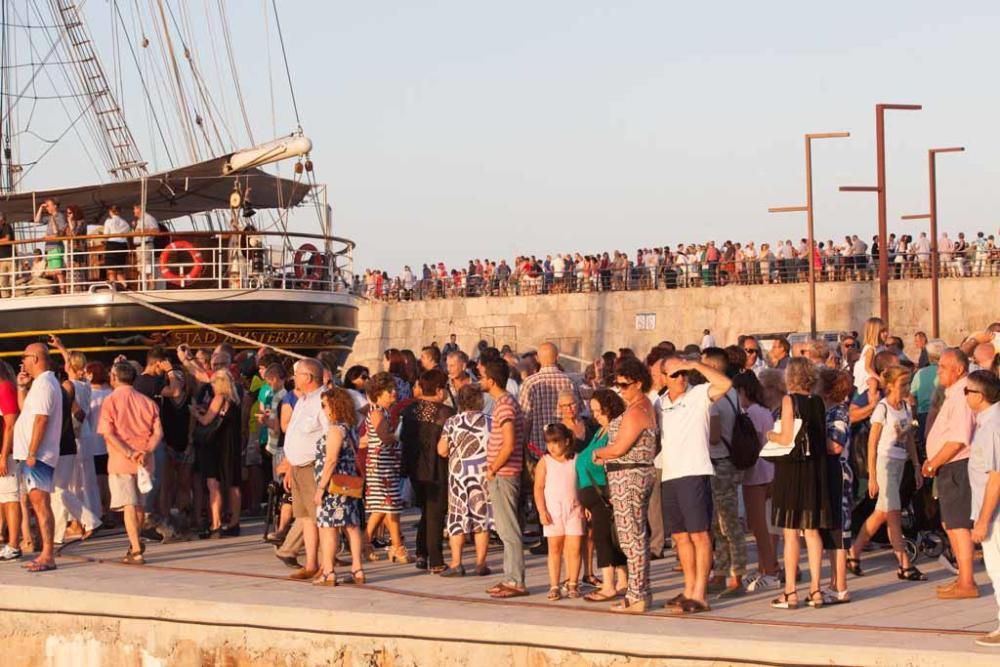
624	385
751	350
968	391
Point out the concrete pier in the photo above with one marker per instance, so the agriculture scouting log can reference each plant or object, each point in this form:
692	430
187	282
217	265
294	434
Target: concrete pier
227	603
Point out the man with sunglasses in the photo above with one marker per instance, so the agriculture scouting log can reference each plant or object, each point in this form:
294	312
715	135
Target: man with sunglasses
755	359
36	443
687	471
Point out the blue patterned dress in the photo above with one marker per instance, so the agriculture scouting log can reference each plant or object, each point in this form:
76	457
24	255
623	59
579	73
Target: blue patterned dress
468	507
338	511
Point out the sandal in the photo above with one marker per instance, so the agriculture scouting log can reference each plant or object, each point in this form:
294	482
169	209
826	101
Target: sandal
483	571
554	594
510	591
437	569
370	554
325	579
910	574
675	601
816	599
449	571
572	591
627	606
495	588
854	566
593	581
132	558
39	566
598	596
689	606
785	601
358	577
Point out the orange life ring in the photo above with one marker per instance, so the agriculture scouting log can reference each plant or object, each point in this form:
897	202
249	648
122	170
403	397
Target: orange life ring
181	279
312	270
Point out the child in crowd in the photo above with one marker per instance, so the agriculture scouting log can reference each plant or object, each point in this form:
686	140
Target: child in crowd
559	509
873	341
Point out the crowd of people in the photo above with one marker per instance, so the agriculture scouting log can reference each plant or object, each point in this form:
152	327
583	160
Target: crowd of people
816	443
687	265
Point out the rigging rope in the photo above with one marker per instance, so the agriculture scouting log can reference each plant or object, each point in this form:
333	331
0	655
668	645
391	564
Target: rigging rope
232	66
145	88
288	71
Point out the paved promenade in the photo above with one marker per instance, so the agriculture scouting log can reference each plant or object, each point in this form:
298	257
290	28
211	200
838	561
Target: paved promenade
206	590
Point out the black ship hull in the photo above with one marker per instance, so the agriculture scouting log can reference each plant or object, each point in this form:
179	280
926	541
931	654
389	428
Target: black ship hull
105	324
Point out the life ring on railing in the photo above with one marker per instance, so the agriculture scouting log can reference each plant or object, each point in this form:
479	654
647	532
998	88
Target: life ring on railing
181	279
312	270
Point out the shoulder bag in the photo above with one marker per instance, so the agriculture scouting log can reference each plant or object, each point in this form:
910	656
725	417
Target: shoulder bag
350	486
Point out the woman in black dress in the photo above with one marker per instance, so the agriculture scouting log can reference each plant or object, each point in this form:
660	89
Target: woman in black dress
219	459
800	497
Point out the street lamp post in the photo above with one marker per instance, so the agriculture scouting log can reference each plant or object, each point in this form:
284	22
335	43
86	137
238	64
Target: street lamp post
879	188
932	216
808	209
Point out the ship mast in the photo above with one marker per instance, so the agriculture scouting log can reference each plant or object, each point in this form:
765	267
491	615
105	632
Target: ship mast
122	151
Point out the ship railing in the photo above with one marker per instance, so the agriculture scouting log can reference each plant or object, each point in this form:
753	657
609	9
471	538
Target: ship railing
176	261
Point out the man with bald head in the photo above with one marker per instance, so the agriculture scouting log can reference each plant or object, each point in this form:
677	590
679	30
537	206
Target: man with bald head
948	449
36	442
539	399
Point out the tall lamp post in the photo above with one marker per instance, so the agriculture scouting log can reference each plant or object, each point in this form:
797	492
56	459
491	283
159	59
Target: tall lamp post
808	209
883	256
932	216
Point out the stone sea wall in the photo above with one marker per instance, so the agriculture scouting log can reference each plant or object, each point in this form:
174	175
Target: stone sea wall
584	325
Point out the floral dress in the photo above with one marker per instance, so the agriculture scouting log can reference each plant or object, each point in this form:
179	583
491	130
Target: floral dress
337	511
468	507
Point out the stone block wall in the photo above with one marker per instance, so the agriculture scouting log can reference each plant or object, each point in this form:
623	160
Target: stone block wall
584	325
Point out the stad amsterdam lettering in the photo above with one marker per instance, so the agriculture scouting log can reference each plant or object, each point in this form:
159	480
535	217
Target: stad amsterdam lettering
283	337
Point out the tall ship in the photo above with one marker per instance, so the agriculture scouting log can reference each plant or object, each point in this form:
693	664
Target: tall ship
200	238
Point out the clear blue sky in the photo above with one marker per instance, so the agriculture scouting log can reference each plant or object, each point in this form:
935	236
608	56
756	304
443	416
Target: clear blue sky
454	129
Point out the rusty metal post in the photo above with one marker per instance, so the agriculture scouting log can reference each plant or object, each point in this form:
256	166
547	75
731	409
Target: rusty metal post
879	189
883	255
931	215
935	258
809	238
808	209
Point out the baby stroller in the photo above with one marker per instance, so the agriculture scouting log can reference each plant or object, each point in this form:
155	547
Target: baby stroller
923	534
276	497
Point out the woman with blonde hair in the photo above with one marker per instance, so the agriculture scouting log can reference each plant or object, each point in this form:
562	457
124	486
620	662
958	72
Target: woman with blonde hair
873	340
890	443
218	448
800	495
337	513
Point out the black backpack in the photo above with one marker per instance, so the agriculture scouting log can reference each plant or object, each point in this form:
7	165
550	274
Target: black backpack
744	446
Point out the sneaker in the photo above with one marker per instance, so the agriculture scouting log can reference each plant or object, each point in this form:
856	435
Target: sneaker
992	640
948	563
9	553
831	596
763	582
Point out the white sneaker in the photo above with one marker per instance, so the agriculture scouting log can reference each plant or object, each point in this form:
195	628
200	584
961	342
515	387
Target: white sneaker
750	580
947	564
8	553
764	582
831	596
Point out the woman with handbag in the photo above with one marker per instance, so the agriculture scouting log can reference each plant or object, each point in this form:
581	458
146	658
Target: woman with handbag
338	488
217	437
592	481
800	498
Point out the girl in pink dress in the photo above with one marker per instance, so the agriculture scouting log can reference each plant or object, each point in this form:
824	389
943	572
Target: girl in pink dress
559	509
